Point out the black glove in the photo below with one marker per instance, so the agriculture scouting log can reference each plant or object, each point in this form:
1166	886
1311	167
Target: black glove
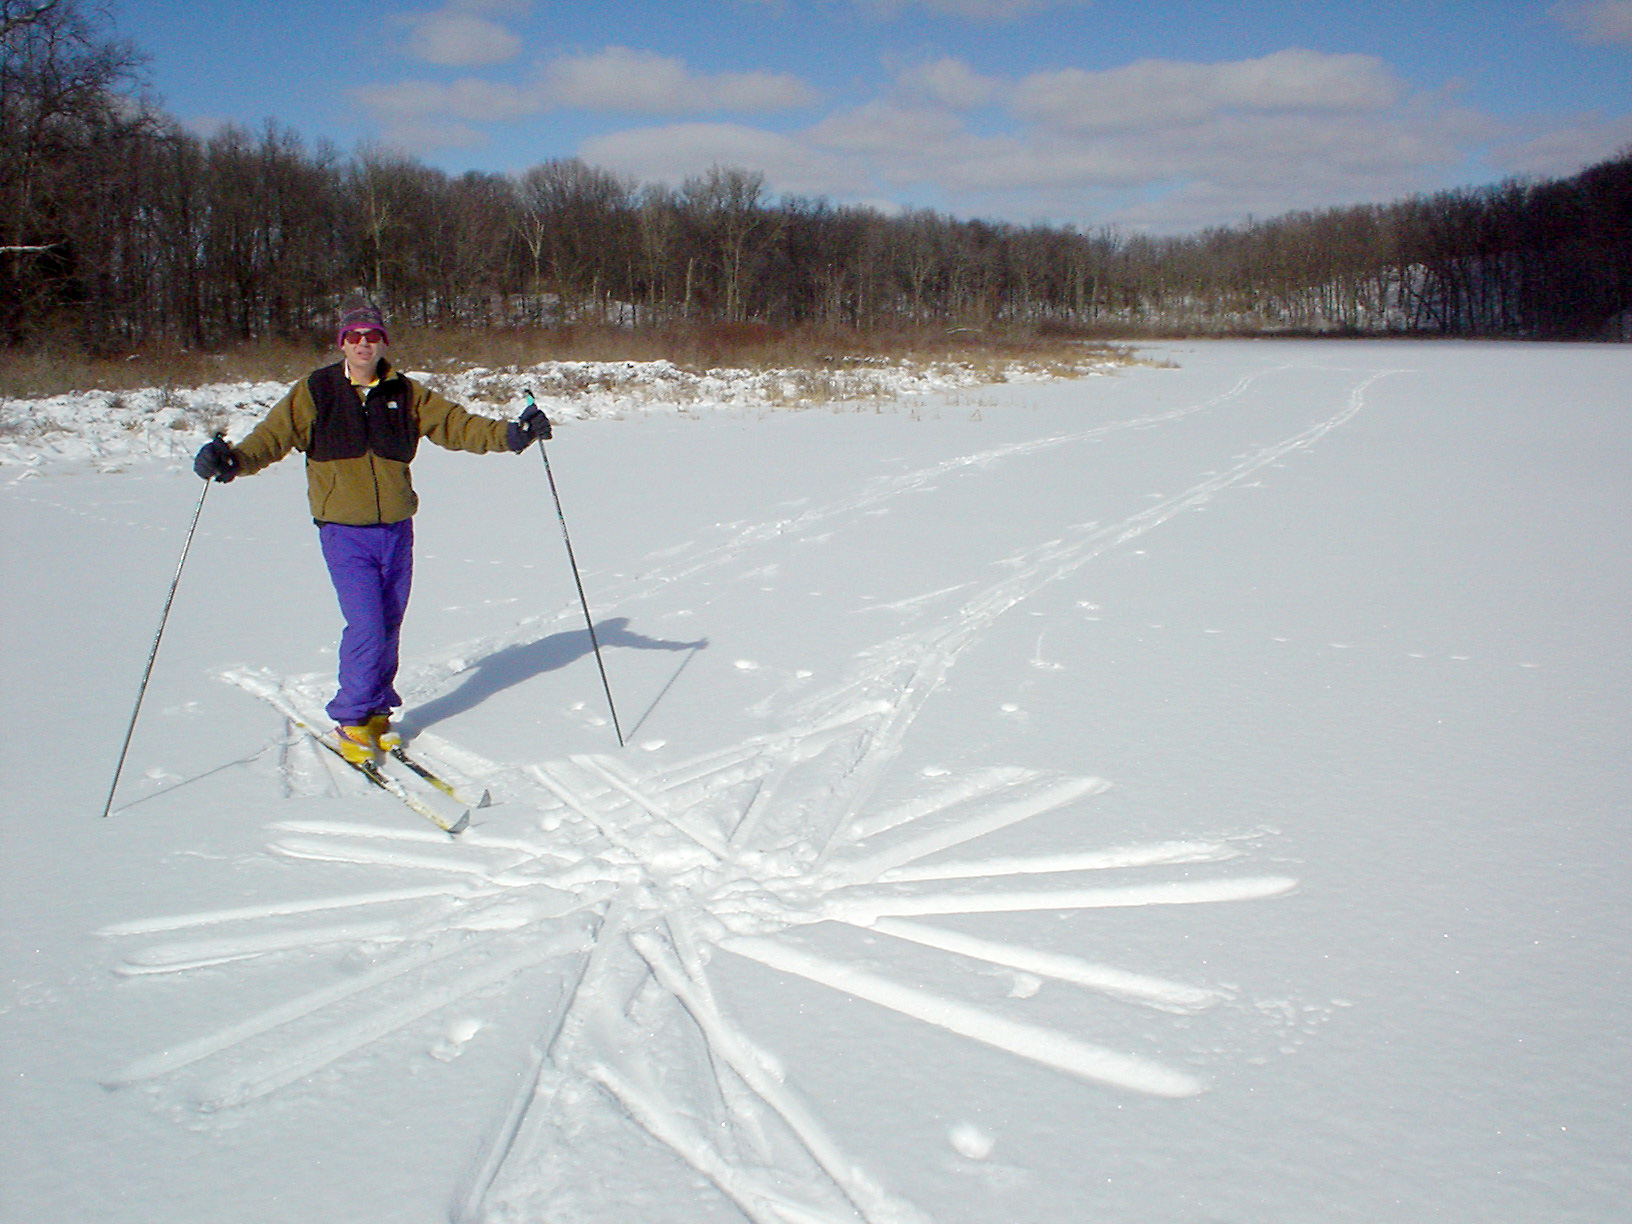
531	426
215	461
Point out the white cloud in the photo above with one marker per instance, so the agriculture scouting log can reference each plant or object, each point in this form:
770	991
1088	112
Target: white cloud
643	82
1286	157
889	130
1160	93
1253	161
1294	129
1596	21
425	115
1566	147
948	82
1169	145
674	152
464	34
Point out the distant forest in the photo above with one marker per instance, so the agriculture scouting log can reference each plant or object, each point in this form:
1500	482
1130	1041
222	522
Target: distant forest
122	230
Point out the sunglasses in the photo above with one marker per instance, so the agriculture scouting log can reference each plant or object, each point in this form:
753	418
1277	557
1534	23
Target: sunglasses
368	335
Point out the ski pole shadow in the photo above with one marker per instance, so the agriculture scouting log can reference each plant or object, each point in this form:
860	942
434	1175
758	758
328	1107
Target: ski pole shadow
176	786
692	649
504	669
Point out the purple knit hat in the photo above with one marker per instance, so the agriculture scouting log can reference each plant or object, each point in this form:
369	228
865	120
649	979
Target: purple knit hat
360	317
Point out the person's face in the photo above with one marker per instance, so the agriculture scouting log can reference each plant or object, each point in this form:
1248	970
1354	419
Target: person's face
362	347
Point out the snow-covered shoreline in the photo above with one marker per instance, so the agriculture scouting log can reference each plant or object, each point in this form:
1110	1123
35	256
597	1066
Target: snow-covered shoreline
112	427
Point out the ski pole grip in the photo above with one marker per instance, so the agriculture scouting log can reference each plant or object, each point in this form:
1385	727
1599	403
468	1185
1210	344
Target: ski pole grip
531	417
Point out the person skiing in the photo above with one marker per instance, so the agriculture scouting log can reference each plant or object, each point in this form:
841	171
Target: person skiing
359	422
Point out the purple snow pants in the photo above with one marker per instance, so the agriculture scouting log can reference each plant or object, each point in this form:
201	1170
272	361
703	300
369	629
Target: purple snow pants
372	569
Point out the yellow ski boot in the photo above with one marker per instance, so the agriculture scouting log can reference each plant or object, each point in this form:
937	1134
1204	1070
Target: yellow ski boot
359	745
385	735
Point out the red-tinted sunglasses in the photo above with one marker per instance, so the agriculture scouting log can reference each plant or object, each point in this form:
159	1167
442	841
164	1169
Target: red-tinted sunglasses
368	335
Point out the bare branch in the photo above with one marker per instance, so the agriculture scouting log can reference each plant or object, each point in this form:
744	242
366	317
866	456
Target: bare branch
27	15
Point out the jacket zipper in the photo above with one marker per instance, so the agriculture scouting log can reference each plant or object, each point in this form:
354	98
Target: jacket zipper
373	459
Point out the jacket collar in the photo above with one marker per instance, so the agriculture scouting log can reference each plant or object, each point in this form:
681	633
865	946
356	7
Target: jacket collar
383	372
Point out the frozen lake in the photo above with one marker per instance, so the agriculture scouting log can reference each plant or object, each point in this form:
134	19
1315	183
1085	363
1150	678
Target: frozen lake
1193	793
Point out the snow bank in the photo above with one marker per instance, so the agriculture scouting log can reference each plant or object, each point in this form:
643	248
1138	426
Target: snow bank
110	428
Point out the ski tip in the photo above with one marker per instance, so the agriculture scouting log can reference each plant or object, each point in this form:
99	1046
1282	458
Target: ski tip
485	801
459	826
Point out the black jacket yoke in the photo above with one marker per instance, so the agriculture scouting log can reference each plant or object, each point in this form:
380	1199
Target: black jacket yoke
382	422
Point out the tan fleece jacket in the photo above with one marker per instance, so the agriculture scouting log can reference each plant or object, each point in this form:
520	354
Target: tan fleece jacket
370	489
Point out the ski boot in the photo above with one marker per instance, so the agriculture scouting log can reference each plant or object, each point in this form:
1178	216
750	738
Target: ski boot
385	735
359	745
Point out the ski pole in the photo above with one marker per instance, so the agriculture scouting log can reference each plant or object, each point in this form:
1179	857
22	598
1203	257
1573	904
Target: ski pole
153	654
572	561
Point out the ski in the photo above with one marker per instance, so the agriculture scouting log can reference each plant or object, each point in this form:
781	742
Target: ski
432	778
271	693
391	786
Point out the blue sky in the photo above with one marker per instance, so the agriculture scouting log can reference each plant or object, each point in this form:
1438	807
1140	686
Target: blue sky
1166	117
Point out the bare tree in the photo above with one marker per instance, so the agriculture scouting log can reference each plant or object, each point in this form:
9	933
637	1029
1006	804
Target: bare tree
578	222
61	102
726	206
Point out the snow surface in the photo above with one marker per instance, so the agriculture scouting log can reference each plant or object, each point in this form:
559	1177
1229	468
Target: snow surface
1192	794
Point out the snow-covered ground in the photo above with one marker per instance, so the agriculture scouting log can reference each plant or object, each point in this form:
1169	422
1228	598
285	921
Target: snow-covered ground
1190	794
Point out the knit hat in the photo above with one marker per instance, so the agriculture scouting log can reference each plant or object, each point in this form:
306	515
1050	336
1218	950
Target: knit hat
359	317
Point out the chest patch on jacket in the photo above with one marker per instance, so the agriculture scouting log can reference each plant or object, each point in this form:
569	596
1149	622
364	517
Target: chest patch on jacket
348	427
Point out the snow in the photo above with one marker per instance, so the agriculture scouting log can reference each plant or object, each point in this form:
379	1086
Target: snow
1196	792
111	427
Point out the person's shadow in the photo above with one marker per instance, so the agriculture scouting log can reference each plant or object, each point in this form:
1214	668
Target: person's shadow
514	664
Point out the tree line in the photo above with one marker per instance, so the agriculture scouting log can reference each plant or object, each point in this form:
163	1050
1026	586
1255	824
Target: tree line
120	229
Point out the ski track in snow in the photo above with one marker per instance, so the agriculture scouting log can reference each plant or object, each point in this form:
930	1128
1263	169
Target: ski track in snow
642	872
684	562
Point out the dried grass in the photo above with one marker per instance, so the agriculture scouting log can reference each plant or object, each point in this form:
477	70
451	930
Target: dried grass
32	373
42	371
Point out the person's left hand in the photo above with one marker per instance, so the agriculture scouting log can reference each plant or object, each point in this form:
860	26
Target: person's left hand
215	461
531	426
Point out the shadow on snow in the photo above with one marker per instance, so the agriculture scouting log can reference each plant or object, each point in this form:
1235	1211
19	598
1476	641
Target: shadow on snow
517	664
